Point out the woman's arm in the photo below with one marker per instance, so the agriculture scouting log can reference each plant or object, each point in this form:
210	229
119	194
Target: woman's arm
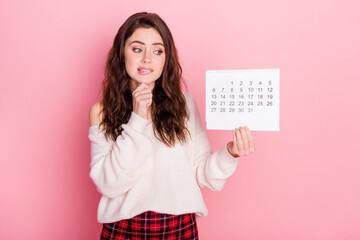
115	164
212	169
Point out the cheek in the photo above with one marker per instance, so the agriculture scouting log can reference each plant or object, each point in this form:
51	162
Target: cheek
161	63
129	61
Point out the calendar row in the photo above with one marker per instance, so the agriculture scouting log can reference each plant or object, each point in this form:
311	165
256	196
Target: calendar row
231	110
242	90
247	82
242	103
215	97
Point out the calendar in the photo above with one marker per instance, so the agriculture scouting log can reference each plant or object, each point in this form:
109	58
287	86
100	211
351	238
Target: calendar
248	97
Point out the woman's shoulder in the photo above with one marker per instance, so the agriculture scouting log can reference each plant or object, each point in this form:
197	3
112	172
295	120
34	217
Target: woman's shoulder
191	104
95	115
189	98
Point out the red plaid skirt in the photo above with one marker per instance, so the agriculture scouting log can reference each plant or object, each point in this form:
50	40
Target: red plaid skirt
152	225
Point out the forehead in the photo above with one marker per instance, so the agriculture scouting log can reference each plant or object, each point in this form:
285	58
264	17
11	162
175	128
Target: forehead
146	35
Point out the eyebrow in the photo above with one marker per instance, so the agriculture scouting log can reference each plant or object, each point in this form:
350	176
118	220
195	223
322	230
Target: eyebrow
156	43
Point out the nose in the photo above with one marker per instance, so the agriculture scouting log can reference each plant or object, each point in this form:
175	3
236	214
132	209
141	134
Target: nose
146	57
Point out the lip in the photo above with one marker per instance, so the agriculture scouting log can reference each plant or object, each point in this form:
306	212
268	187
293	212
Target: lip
144	71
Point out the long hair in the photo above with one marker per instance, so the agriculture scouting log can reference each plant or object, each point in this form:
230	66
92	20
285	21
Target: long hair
168	109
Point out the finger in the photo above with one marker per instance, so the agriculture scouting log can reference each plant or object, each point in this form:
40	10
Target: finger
138	92
245	139
251	140
240	144
143	85
234	137
235	147
143	102
149	102
143	95
140	87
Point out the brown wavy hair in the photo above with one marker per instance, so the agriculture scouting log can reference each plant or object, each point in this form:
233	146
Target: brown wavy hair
168	109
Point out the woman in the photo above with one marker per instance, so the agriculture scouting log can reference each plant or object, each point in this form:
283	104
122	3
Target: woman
149	152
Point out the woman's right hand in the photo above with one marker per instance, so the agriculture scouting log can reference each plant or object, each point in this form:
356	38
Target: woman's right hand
142	99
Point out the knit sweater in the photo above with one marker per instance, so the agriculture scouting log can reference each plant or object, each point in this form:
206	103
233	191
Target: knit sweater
138	173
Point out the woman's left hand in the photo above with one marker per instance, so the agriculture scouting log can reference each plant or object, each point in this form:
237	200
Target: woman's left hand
242	144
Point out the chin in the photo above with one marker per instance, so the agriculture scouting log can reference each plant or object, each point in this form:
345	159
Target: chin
146	81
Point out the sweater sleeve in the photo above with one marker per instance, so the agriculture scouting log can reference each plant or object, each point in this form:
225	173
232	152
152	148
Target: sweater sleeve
211	169
114	164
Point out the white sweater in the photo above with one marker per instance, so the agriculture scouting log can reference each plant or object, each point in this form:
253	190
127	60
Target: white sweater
138	173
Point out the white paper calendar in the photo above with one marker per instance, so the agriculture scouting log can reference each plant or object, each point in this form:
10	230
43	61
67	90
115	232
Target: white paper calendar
243	98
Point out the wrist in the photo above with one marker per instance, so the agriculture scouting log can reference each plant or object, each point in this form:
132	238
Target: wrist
229	146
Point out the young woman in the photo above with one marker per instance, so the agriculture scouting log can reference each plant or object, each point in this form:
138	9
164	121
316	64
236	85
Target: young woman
149	152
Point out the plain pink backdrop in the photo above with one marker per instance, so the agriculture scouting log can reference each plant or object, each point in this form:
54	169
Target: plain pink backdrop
301	183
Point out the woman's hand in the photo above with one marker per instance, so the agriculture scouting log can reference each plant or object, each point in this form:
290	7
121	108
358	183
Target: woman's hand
242	144
142	99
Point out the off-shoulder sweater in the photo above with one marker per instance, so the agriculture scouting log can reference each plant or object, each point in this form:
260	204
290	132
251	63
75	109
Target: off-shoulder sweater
138	173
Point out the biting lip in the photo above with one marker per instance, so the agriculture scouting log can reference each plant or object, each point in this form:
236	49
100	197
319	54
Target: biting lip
144	71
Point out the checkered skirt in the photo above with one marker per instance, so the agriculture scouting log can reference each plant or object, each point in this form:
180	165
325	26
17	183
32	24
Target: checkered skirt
152	225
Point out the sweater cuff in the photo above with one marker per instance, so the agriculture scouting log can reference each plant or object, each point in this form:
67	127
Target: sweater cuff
224	154
137	123
228	162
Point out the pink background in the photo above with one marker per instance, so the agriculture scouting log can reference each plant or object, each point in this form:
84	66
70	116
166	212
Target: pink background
301	183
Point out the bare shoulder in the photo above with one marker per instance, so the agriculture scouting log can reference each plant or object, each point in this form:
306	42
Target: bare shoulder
94	115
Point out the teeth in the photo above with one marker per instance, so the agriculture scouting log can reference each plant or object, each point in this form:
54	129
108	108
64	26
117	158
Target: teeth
144	70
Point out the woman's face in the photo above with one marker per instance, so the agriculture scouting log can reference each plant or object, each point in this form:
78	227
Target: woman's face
144	57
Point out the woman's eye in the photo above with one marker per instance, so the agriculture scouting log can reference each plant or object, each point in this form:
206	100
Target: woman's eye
158	52
137	50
